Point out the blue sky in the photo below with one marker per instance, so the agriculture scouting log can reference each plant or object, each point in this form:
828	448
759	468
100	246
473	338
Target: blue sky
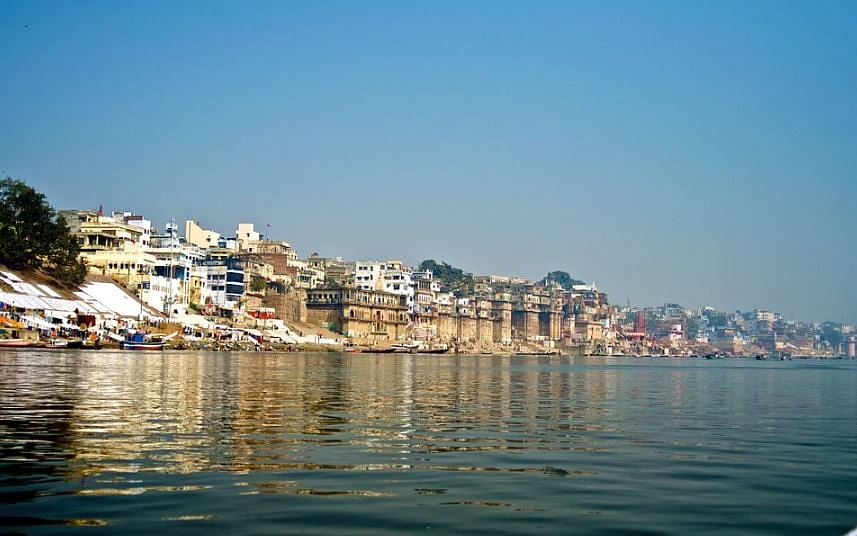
704	153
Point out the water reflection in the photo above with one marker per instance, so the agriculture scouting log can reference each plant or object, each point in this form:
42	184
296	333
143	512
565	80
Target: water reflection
186	413
125	426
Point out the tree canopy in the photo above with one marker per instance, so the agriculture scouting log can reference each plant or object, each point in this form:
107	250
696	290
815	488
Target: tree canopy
33	236
561	278
831	333
451	278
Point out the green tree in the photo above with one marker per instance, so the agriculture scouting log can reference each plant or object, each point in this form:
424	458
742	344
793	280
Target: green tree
452	279
562	278
258	284
831	333
716	319
33	236
692	328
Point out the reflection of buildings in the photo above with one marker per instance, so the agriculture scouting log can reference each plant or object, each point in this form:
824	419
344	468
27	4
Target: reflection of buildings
256	412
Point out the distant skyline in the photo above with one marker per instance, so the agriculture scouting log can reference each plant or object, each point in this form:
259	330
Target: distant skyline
669	151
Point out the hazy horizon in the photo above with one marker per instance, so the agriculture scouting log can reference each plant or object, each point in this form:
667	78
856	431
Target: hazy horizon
670	152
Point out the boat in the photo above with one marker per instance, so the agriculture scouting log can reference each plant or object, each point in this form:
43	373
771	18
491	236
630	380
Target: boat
438	349
138	341
376	350
406	347
760	357
51	343
84	345
16	343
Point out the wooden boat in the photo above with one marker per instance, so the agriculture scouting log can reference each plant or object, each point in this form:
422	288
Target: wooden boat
84	345
144	345
138	341
435	350
148	345
50	344
16	343
406	347
374	350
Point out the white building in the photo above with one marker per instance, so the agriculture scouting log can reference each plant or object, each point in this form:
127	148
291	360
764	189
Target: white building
764	315
308	274
129	218
245	234
170	283
399	280
368	275
388	276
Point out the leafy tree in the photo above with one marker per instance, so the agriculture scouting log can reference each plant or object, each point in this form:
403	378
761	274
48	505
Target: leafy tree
258	284
716	319
562	278
831	333
692	328
451	279
33	236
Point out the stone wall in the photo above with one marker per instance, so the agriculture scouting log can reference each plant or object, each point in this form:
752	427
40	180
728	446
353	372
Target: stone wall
525	324
328	318
502	323
290	306
447	328
466	328
484	330
550	325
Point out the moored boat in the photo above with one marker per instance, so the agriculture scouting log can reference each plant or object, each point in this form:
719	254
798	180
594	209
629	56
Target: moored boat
436	349
51	343
405	347
16	343
144	345
138	341
378	350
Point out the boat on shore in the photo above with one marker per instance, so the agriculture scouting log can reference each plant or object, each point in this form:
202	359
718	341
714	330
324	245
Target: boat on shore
139	341
17	343
420	348
50	344
438	349
378	350
406	347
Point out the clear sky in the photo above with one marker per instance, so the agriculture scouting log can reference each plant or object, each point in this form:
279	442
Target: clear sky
697	152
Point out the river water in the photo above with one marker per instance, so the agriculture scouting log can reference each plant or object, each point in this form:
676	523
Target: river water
260	443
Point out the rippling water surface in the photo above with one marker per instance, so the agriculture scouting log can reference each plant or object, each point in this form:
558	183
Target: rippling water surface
282	443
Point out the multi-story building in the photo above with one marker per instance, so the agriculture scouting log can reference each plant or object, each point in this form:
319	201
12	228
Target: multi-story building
203	238
137	220
368	275
170	282
245	235
358	313
225	278
398	279
388	276
110	247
